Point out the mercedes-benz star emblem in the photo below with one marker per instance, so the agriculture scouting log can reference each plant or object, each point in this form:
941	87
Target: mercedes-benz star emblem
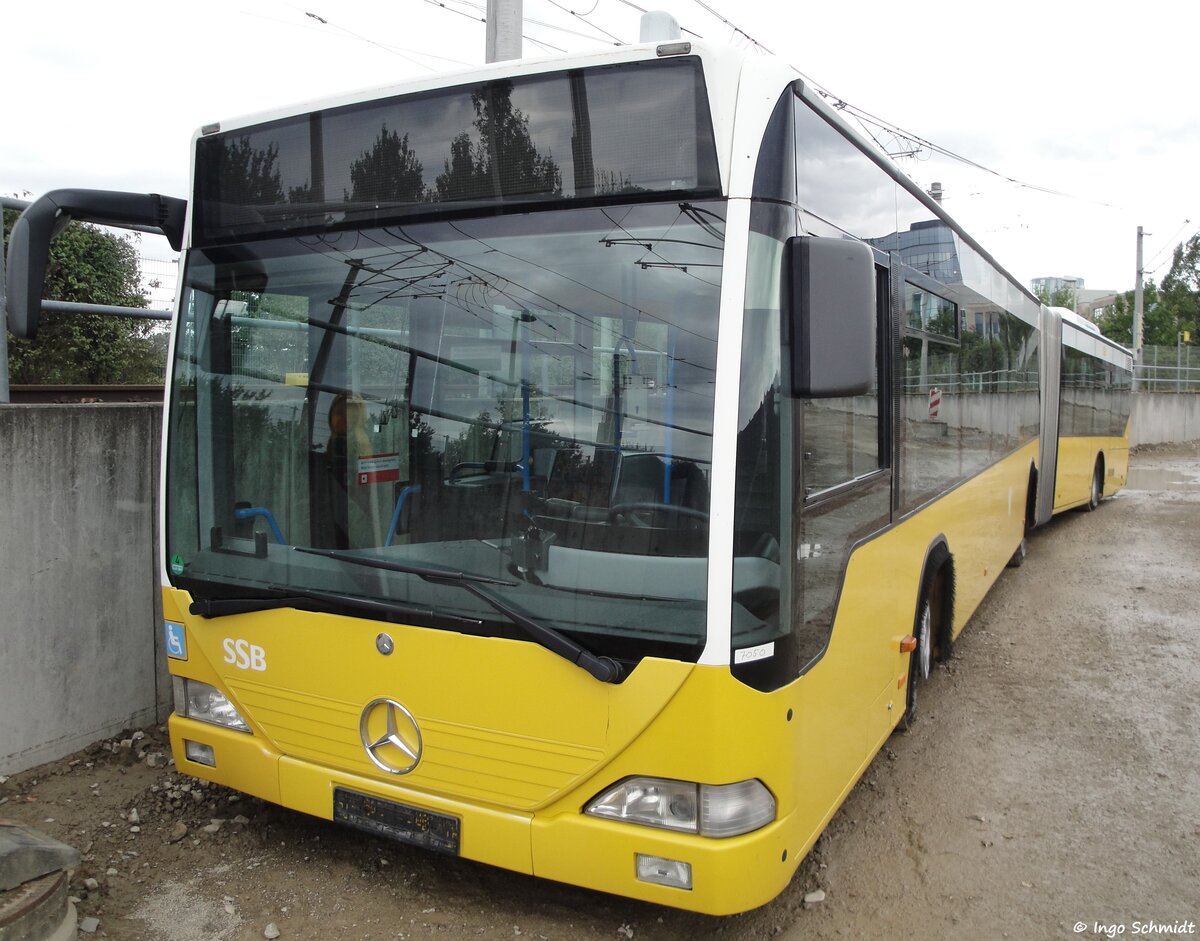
384	644
390	735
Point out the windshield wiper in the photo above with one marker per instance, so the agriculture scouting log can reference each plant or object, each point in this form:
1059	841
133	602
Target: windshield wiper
421	571
602	668
305	599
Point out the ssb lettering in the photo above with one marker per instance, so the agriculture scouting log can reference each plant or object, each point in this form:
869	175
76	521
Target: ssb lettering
244	655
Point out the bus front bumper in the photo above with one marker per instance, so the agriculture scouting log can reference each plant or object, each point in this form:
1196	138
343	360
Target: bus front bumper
727	875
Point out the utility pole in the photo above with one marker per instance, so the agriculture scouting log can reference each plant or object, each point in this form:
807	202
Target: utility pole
1137	304
4	390
1179	361
505	19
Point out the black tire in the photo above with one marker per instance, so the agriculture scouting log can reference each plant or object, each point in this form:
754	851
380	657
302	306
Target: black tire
920	661
1097	491
932	625
1031	501
919	665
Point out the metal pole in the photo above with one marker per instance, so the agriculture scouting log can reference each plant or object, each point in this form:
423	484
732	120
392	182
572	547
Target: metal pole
108	310
505	19
1137	303
4	394
5	203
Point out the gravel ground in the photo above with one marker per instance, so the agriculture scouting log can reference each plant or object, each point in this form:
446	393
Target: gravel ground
1048	790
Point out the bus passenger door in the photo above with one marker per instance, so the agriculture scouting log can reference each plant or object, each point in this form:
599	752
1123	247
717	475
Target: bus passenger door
845	466
1050	367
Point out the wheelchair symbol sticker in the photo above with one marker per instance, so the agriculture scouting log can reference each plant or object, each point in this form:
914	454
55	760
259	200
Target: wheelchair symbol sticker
176	640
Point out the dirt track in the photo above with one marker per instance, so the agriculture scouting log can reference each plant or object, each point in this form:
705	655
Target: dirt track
1050	781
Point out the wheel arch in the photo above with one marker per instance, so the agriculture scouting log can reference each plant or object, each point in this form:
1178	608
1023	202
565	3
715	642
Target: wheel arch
1031	495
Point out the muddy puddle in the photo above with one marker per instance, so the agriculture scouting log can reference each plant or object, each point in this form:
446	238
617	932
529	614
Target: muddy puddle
1164	478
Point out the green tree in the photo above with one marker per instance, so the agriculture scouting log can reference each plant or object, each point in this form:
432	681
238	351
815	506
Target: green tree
1172	307
388	172
525	169
462	178
92	266
1181	286
1158	319
249	176
1062	297
505	150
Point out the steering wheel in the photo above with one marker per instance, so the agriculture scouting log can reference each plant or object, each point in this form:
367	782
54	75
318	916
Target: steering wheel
642	514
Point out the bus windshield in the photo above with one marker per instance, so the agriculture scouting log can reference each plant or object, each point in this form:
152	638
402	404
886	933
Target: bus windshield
523	398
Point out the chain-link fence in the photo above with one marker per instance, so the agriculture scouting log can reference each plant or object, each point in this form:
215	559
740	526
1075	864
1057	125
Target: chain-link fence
1169	369
160	273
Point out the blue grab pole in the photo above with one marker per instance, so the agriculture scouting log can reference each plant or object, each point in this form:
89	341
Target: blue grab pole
405	493
249	512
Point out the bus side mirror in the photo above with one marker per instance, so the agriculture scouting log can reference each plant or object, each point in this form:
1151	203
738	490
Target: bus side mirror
29	243
830	308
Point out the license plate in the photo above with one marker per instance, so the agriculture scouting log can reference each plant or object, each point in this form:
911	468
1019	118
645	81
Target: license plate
424	828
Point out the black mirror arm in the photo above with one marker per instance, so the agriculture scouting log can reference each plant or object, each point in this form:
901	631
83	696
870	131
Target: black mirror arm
29	243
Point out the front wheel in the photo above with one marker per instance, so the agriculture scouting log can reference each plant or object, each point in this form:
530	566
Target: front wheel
932	624
1097	490
920	662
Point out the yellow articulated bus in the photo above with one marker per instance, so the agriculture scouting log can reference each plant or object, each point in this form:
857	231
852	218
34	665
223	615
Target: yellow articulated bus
577	465
1093	376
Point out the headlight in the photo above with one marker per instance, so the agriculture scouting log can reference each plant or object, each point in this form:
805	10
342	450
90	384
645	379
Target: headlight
710	810
653	801
196	700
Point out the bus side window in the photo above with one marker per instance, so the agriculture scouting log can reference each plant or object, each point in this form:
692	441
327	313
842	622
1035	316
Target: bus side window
841	436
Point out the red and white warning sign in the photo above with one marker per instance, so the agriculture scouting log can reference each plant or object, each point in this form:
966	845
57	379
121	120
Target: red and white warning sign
935	401
379	468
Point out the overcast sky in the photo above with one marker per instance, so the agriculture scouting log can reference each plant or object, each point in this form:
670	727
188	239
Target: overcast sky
1095	104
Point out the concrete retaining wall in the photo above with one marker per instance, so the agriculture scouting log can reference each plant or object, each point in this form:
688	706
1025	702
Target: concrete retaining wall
1164	417
79	585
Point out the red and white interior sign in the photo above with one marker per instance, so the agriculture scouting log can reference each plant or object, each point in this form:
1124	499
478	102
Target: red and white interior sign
379	468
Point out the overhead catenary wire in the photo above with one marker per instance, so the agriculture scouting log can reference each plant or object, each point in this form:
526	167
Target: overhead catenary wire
438	3
1169	244
731	25
861	115
563	29
399	51
634	6
483	19
349	32
584	18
